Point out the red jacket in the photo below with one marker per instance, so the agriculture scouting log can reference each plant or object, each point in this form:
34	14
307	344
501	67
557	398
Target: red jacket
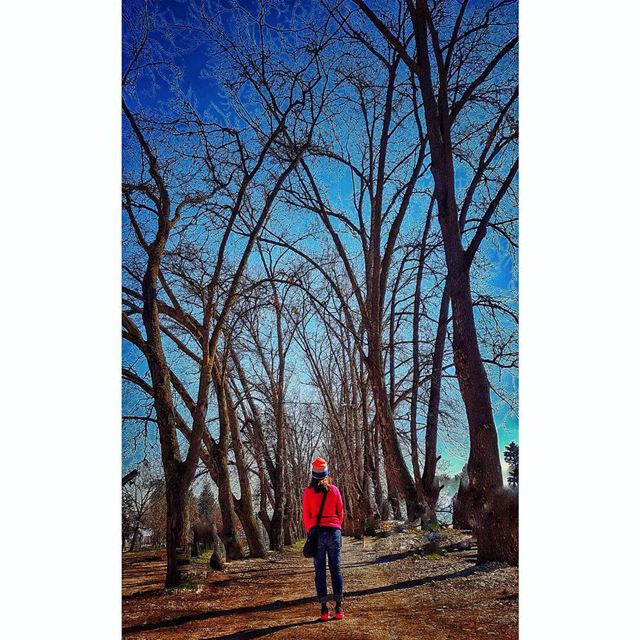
332	515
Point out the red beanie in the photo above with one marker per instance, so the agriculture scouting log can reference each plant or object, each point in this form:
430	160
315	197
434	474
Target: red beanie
319	469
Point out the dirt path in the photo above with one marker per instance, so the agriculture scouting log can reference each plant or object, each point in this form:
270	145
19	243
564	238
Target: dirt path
392	592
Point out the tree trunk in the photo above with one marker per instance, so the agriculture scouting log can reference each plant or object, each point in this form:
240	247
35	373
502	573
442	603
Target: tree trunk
218	554
251	530
277	525
225	495
244	506
483	468
375	462
277	520
398	476
229	535
263	515
175	529
462	503
287	526
430	486
260	442
485	475
498	532
135	535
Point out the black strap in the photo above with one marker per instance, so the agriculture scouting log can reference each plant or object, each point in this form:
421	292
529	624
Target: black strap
326	493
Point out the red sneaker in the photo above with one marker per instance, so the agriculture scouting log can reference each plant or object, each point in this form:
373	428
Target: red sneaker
324	614
339	613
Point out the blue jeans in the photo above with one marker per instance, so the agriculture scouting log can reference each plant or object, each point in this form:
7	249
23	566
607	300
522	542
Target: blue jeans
329	544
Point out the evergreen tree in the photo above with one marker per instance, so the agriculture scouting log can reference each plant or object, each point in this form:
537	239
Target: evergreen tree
206	503
511	456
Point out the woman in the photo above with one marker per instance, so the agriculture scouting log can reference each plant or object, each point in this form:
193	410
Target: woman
329	534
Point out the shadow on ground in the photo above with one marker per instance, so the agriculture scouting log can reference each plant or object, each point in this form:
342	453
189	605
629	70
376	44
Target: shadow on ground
248	634
283	604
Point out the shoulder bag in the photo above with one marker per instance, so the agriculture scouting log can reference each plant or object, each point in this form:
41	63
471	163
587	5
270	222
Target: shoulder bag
311	545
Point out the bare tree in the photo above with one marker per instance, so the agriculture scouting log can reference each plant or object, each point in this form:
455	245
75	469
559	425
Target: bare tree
463	62
375	147
138	494
183	286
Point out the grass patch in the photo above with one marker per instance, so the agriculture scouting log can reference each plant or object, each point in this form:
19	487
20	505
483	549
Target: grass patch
202	561
434	525
195	573
189	583
434	556
298	544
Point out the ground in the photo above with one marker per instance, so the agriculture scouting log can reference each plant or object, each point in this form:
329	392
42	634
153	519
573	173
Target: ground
394	590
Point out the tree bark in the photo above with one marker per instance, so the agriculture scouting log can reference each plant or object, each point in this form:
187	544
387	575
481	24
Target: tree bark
225	495
483	467
415	381
430	487
277	519
498	533
244	505
175	531
398	476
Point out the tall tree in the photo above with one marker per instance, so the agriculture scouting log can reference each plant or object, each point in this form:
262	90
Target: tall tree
463	62
383	165
206	502
229	179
